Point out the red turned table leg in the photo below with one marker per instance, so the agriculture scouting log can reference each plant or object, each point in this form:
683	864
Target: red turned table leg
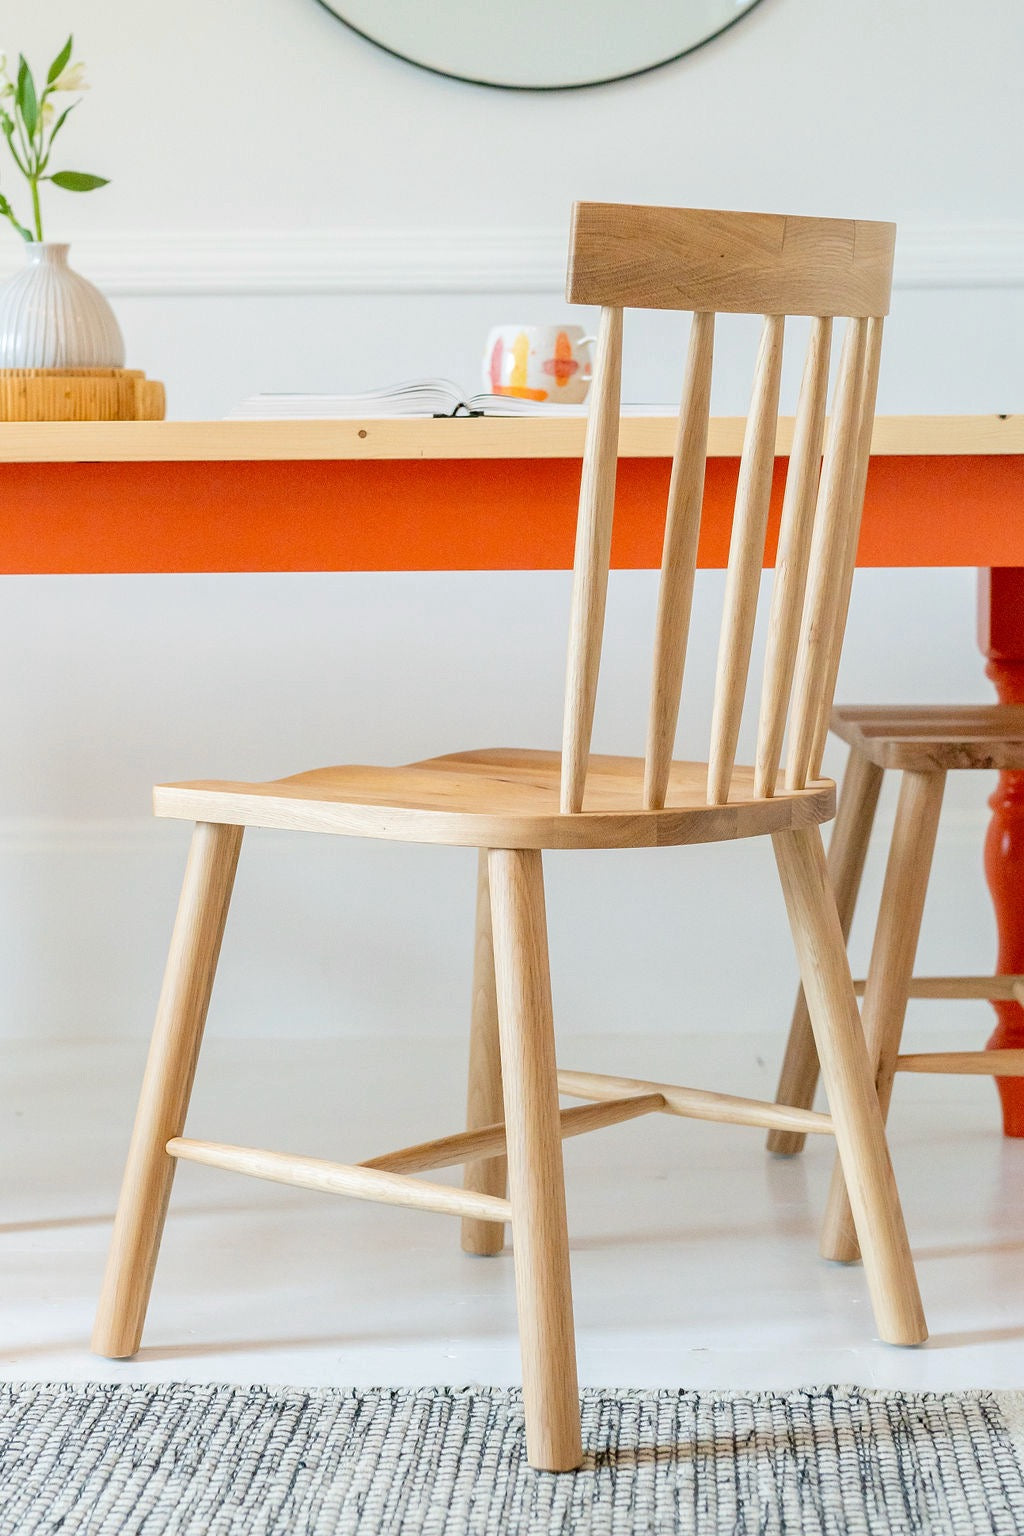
1001	637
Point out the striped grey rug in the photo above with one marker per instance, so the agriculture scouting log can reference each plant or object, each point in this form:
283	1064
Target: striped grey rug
192	1460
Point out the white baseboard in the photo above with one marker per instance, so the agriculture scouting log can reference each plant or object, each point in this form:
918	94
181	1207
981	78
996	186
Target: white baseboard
457	261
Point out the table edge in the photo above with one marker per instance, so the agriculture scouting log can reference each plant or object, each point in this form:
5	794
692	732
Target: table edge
412	438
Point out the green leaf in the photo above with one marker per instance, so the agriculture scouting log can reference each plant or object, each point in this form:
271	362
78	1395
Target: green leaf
7	212
59	63
59	124
25	97
77	181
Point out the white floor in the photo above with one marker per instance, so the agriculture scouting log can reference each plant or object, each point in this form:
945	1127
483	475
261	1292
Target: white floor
694	1253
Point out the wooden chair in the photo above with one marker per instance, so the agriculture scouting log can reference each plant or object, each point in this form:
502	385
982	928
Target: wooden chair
511	804
922	743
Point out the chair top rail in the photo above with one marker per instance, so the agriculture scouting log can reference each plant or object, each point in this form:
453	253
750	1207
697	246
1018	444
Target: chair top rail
746	263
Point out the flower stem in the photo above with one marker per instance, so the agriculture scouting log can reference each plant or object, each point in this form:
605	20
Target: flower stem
36	211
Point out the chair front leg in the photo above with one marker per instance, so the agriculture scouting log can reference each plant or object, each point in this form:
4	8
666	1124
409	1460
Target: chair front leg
484	1101
166	1088
536	1180
847	851
890	969
850	1086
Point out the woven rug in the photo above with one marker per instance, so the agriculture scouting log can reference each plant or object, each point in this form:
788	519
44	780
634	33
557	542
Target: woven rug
222	1461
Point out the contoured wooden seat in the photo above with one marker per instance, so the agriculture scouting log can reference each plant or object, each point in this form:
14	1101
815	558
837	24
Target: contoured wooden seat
511	805
502	798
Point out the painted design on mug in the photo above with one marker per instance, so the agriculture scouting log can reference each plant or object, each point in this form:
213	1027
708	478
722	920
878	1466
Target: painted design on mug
563	365
497	357
517	384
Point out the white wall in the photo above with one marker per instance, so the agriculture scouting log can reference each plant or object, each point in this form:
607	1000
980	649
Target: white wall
279	188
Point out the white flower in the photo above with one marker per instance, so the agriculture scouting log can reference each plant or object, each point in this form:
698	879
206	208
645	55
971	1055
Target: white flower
71	79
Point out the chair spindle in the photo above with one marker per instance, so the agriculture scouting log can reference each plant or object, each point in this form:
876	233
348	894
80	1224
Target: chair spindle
793	556
746	555
858	486
679	559
827	576
593	552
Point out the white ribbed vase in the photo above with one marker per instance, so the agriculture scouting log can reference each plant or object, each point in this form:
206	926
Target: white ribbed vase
50	317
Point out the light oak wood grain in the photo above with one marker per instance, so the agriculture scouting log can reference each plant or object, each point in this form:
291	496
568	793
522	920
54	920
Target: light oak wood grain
358	1181
499	797
934	737
590	573
826	577
751	263
446	1151
890	970
511	803
847	851
80	394
484	1099
746	557
925	741
679	561
857	484
640	437
694	1103
1008	989
849	1083
166	1088
1000	1063
791	561
536	1178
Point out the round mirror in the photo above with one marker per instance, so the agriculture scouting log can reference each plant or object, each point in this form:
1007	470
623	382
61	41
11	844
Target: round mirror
539	45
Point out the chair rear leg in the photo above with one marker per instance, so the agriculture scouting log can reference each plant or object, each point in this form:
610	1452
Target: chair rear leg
536	1179
847	851
166	1088
850	1086
484	1102
891	969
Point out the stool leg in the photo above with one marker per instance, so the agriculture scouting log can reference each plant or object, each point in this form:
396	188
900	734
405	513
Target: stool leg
536	1180
847	851
484	1103
849	1084
891	968
166	1088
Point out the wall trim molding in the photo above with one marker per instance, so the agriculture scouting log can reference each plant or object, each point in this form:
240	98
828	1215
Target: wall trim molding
455	260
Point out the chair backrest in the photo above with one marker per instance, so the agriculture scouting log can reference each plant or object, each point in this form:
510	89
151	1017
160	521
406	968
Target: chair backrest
750	263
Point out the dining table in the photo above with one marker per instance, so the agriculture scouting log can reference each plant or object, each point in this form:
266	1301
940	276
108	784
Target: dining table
496	493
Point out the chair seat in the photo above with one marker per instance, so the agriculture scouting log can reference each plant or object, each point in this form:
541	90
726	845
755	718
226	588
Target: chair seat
932	737
499	798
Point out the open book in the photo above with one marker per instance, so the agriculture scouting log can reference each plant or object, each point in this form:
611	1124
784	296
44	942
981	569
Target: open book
418	397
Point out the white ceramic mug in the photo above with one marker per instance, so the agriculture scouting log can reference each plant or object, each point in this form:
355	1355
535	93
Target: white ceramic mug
538	362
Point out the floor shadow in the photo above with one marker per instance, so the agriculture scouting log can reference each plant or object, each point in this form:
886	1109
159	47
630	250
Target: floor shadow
966	1250
967	1337
106	1219
666	1237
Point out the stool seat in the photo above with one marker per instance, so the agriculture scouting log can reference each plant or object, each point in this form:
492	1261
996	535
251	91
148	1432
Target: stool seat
926	738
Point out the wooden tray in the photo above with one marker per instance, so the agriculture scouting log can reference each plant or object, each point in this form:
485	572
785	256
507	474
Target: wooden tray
80	394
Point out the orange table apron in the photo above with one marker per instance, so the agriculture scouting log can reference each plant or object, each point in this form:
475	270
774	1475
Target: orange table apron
348	513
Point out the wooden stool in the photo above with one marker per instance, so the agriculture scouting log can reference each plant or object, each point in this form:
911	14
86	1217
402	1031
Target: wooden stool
923	742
